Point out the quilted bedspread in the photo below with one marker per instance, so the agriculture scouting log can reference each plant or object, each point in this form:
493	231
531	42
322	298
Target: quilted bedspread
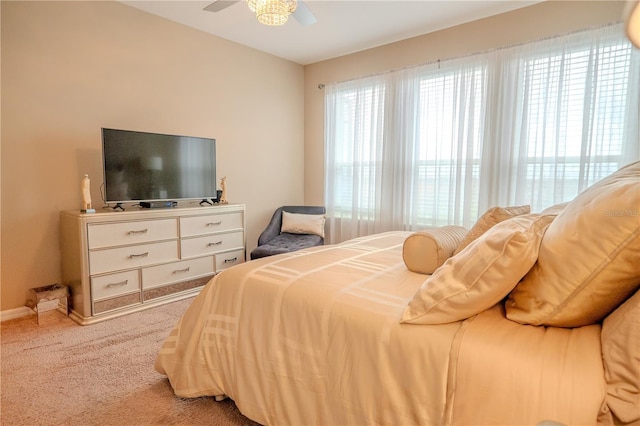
313	337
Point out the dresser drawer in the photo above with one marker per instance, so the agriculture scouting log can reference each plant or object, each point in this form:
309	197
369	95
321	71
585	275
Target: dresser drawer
111	285
228	259
201	225
120	258
160	275
100	235
210	244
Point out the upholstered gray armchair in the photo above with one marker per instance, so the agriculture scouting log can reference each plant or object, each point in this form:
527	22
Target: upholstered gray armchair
273	241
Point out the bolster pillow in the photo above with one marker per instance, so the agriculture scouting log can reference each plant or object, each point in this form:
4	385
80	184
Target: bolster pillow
425	251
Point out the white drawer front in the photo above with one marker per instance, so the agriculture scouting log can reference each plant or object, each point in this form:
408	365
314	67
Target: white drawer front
115	259
101	235
228	259
200	225
155	276
106	286
211	244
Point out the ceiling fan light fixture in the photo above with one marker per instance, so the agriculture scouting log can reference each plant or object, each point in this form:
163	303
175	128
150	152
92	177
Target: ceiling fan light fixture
272	12
252	5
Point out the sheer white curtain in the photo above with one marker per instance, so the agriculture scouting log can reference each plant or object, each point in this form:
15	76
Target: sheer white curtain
439	144
438	119
354	116
565	116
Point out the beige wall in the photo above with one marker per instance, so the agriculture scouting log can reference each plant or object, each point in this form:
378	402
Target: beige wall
522	25
70	68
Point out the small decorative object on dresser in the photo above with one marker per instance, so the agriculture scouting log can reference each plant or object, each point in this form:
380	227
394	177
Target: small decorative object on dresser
86	195
222	199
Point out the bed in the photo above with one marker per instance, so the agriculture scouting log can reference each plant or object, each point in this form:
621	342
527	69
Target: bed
351	334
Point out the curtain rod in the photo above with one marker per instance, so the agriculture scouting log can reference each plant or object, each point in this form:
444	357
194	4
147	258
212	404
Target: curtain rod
495	49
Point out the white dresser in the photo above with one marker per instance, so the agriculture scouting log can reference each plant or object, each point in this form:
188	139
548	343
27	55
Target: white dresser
120	262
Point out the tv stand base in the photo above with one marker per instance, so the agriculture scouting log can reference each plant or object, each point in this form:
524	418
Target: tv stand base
158	204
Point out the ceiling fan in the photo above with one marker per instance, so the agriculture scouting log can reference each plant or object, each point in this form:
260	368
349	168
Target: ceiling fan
301	12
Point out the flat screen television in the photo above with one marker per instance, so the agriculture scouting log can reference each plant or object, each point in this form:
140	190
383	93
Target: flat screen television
142	166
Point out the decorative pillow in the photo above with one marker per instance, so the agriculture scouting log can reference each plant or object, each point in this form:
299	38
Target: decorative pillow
490	218
425	251
481	275
300	223
555	210
621	356
588	261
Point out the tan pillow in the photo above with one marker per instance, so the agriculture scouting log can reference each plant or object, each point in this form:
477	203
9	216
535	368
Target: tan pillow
482	275
425	251
588	261
621	356
555	210
300	223
490	218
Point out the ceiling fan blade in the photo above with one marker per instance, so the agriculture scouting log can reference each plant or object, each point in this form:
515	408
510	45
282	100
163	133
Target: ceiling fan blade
218	5
304	15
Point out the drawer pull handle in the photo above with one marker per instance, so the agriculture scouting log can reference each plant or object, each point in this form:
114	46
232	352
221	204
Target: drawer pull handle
214	223
120	284
133	256
214	244
141	231
178	271
230	260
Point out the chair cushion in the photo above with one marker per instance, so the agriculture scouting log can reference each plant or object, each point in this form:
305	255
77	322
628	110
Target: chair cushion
285	243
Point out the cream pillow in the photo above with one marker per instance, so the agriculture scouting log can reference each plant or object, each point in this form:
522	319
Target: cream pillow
555	210
300	223
621	356
588	261
425	251
481	275
490	218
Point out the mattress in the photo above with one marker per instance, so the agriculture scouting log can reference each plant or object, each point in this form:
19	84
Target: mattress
313	337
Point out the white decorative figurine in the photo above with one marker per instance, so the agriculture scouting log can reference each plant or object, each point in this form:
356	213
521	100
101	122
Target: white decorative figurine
223	185
86	195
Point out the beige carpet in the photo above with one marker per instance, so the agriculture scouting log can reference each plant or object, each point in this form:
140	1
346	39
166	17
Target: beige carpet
60	373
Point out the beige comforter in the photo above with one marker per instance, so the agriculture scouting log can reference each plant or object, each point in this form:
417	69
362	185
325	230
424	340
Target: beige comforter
313	337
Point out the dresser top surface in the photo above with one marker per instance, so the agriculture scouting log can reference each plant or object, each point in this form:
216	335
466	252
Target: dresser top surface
138	213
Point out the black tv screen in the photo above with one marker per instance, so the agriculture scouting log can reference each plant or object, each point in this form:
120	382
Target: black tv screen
141	166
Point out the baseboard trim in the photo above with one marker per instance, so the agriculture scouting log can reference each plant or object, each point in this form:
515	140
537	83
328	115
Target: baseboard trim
15	313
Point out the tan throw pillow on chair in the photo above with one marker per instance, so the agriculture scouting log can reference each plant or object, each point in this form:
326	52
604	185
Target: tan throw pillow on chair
302	223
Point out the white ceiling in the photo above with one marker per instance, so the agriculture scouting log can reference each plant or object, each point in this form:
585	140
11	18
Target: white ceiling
342	26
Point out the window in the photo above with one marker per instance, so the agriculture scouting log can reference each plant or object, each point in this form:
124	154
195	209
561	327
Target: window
574	106
438	144
357	163
448	146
